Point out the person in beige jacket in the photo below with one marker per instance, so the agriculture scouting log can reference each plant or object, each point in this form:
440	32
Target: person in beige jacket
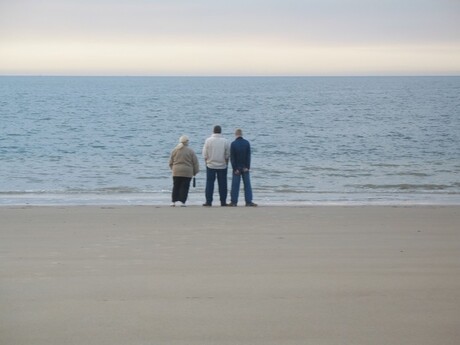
184	165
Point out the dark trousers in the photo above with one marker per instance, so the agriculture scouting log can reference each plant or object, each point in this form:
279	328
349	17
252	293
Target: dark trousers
181	185
221	175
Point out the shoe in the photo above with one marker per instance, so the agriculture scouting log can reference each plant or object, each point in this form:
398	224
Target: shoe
173	204
207	205
251	204
183	204
232	204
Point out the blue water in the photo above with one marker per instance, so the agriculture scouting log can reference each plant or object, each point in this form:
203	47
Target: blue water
344	140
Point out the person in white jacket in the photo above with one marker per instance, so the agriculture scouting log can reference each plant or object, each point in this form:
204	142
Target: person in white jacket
216	153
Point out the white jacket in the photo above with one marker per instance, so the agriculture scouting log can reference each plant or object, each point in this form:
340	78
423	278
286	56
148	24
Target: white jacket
216	152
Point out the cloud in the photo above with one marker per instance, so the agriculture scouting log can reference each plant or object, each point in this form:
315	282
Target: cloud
229	58
230	37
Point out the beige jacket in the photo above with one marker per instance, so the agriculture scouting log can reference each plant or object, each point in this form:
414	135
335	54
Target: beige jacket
184	162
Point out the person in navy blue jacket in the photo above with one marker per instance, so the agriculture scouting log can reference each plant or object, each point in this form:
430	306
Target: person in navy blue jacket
240	158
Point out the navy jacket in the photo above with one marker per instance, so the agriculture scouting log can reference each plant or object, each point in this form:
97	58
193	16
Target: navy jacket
240	154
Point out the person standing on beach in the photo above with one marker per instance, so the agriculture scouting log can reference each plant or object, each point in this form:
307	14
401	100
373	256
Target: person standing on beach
240	156
184	165
216	153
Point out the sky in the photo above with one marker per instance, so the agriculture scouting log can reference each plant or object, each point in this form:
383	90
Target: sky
230	37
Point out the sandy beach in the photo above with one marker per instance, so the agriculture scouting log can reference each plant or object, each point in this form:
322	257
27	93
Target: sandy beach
267	275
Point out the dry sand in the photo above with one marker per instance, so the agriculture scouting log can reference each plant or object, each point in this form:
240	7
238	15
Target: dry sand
266	275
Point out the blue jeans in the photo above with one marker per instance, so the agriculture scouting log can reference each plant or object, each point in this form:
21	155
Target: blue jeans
221	181
236	180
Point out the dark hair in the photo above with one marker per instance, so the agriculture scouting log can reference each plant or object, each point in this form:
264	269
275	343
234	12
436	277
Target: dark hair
217	129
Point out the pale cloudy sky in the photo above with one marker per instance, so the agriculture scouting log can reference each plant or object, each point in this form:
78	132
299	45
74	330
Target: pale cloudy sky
230	37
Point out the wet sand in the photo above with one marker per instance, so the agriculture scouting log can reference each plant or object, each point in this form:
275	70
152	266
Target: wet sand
266	275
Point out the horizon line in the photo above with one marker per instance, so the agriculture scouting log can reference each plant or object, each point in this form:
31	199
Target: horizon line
230	76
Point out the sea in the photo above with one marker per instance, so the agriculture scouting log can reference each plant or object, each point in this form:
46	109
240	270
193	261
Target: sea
315	140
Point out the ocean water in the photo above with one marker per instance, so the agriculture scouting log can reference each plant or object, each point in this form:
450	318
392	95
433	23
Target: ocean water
315	140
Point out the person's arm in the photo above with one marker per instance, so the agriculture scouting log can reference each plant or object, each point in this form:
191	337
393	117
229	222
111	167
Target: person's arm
171	160
248	157
227	151
205	152
233	155
196	165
